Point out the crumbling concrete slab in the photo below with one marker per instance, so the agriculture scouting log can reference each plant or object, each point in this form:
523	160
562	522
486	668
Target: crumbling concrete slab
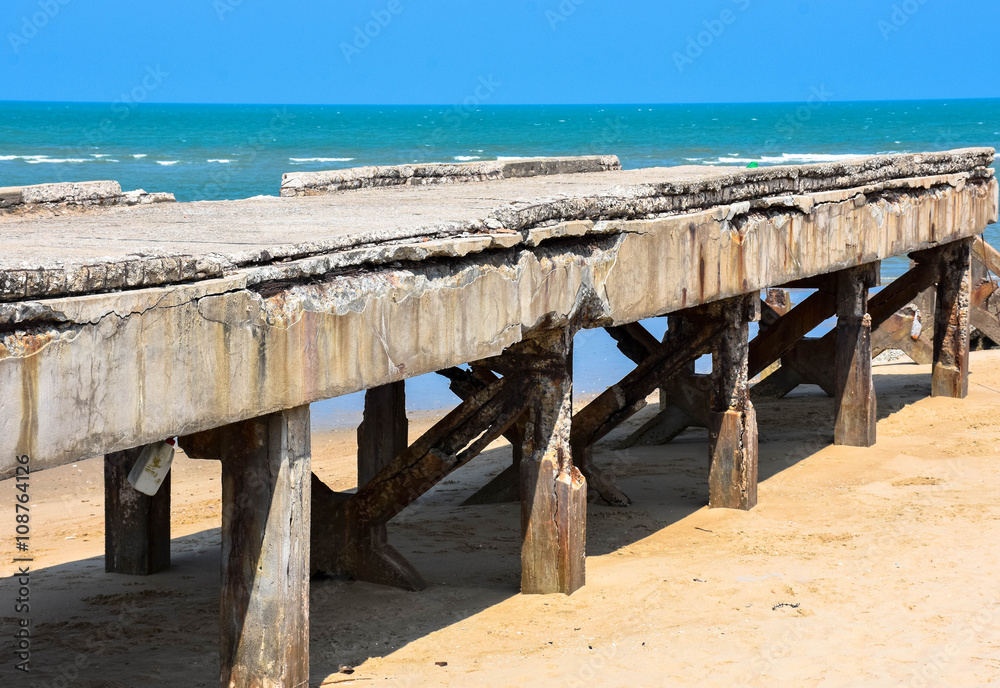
75	194
315	183
227	336
102	249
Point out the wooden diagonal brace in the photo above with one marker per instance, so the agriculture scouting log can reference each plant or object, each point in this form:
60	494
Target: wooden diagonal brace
504	487
345	527
779	335
622	400
811	360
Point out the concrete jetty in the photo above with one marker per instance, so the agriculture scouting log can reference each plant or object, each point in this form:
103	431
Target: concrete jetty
219	322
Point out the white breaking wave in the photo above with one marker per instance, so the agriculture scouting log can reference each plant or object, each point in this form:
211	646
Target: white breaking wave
98	155
167	162
58	160
467	158
788	159
137	156
321	159
32	158
224	161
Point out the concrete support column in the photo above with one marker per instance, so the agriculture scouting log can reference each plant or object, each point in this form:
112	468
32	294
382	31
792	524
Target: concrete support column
136	526
382	435
553	491
264	610
951	321
854	392
732	420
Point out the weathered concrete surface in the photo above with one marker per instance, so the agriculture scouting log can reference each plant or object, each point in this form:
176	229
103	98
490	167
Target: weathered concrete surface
104	249
313	183
69	194
266	337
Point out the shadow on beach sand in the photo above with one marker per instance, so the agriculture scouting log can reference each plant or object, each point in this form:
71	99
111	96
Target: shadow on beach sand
98	629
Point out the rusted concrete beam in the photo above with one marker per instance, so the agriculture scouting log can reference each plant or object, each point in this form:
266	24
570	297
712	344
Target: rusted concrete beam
622	400
910	330
732	425
348	530
854	396
505	487
683	397
780	337
264	610
136	526
951	321
553	490
382	435
812	360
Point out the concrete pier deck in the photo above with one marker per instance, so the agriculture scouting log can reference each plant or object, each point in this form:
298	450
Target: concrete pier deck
221	321
206	306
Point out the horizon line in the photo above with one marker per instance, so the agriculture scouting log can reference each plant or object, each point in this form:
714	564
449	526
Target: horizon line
501	105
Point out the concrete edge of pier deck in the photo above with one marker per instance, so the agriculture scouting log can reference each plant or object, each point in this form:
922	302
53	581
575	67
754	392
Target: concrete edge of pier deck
75	194
523	212
190	357
311	183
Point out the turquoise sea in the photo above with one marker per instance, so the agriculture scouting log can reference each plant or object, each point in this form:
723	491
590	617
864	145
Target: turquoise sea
204	152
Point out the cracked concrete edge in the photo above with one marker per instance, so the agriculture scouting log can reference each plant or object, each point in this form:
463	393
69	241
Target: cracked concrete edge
730	223
215	354
143	272
535	223
751	185
20	198
331	181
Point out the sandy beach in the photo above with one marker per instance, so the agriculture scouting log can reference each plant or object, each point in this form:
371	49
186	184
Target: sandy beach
858	567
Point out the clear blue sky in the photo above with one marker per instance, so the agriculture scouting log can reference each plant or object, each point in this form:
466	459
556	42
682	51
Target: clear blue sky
527	51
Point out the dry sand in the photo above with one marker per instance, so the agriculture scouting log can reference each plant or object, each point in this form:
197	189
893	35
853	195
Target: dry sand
858	567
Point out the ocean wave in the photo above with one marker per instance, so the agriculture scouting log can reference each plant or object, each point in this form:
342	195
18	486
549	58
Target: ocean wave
57	160
99	155
221	160
138	156
167	162
26	158
467	158
321	159
788	158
